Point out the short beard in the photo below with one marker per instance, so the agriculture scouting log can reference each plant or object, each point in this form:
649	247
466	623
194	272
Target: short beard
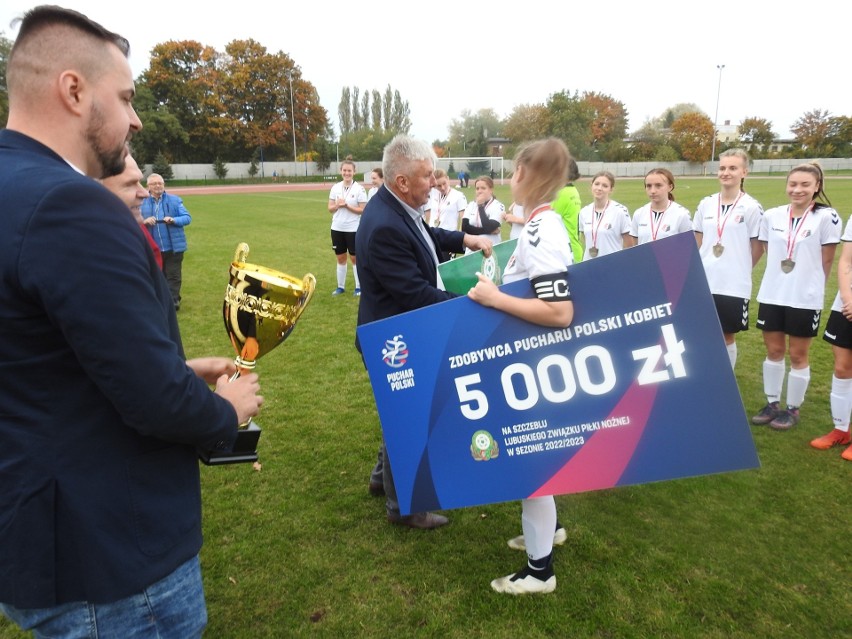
111	161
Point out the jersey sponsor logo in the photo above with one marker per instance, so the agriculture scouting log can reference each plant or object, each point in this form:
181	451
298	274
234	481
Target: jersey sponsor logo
395	352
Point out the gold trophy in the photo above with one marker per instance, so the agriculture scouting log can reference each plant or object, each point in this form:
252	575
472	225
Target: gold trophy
260	310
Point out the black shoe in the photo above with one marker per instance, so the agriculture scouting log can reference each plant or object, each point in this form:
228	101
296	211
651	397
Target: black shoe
422	521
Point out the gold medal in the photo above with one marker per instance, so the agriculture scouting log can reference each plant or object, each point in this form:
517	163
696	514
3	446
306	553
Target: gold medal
787	265
593	251
718	249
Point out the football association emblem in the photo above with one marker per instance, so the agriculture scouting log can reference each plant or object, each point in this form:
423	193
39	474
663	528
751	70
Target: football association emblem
483	447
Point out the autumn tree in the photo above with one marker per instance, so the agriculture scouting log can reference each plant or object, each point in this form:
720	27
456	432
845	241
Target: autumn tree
609	120
692	136
183	77
821	134
756	135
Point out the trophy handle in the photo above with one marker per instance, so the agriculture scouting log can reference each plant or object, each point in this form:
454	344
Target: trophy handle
309	283
241	253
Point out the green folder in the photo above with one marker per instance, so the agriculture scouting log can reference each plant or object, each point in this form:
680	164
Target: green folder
459	274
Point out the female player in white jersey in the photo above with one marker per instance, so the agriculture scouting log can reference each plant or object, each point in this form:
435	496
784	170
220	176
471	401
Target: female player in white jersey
542	255
377	178
838	333
661	216
605	223
726	225
484	215
346	203
800	239
514	217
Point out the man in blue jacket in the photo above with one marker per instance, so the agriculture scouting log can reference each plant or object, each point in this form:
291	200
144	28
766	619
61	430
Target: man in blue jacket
165	216
100	415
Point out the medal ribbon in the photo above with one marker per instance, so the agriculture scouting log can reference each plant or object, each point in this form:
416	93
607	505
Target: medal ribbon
721	227
656	230
793	236
596	227
539	209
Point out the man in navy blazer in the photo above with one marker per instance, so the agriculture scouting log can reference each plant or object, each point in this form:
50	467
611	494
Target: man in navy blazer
398	266
100	415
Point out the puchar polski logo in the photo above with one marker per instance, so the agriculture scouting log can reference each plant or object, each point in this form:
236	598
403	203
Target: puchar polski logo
395	352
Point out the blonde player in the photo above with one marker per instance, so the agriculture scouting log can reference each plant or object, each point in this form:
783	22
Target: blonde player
726	225
800	239
605	223
542	256
662	216
838	333
346	203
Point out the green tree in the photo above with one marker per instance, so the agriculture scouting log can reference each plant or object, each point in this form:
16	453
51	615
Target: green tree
756	135
253	163
162	167
5	49
570	119
526	122
470	132
160	128
344	112
220	168
647	139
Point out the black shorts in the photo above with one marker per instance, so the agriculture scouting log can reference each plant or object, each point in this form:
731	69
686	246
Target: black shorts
343	242
838	330
797	322
732	312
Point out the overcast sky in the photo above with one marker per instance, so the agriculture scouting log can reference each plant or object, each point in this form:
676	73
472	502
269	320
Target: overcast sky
447	57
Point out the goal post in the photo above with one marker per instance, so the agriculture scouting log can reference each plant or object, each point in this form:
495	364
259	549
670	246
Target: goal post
492	166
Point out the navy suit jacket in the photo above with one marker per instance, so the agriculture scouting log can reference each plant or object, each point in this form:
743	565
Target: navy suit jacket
395	265
99	415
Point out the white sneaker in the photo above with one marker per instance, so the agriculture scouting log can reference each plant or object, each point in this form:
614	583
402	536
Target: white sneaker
559	538
525	583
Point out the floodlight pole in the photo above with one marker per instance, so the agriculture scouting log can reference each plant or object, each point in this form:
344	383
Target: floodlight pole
716	116
292	120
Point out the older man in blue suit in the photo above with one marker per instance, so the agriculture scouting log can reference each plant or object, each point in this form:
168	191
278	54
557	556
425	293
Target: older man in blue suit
398	266
100	415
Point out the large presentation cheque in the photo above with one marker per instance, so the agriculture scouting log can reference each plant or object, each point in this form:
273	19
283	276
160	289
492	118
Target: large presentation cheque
479	407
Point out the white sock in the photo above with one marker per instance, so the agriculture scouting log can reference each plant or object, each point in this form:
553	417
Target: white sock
797	384
355	274
732	353
538	520
341	276
773	379
841	402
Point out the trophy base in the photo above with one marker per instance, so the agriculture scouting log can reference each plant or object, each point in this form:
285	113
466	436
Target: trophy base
244	450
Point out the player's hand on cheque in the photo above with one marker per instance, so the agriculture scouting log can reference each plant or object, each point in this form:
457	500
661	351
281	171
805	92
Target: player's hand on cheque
242	393
478	242
484	292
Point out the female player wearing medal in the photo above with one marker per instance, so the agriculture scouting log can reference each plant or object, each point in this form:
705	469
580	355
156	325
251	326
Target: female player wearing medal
800	239
542	255
484	215
605	223
346	203
726	225
838	333
662	216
